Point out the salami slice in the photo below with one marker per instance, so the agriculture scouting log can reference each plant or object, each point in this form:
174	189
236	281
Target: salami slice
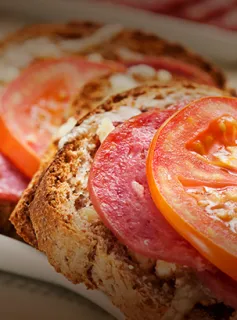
12	181
120	194
35	104
177	68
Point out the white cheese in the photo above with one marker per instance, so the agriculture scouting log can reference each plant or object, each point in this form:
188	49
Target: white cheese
66	128
142	70
85	164
76	131
104	129
145	263
164	76
128	55
22	54
104	34
122	114
120	82
149	102
95	57
165	269
89	214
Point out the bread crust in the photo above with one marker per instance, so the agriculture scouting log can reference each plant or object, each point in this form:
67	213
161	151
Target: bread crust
86	251
90	96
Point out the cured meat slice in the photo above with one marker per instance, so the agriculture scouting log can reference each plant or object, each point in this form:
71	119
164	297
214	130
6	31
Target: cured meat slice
12	181
120	194
177	68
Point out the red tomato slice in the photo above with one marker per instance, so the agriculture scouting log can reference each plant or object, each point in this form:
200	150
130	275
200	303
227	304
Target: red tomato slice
192	175
34	106
119	192
12	181
176	67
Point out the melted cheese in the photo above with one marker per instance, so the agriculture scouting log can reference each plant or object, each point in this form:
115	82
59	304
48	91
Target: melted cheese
89	214
17	56
123	113
142	71
164	76
119	115
120	82
104	129
82	129
165	270
66	128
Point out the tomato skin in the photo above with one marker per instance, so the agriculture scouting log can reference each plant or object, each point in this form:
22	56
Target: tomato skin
21	154
35	104
168	178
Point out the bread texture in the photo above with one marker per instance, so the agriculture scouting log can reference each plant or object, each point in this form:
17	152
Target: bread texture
109	47
77	243
125	44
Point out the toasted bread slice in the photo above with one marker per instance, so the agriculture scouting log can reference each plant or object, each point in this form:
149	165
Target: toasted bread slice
108	42
113	43
78	244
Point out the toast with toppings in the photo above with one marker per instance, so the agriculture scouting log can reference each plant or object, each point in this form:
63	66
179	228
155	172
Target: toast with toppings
96	42
147	57
79	245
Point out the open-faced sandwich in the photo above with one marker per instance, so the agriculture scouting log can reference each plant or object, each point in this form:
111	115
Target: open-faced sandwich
139	201
43	66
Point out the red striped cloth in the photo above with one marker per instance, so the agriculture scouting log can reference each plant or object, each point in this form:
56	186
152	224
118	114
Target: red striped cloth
221	13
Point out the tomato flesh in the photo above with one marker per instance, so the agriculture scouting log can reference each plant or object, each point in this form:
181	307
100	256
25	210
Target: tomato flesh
192	177
35	104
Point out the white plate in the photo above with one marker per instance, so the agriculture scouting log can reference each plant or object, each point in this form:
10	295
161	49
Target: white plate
23	298
19	258
209	41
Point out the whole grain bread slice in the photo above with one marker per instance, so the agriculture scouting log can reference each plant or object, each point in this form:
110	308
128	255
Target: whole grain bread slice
123	44
78	244
114	43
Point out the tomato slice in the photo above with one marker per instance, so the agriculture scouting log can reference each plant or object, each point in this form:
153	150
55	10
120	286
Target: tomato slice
176	67
36	103
119	192
192	175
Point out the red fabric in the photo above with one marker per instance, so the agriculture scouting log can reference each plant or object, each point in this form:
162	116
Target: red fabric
221	13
